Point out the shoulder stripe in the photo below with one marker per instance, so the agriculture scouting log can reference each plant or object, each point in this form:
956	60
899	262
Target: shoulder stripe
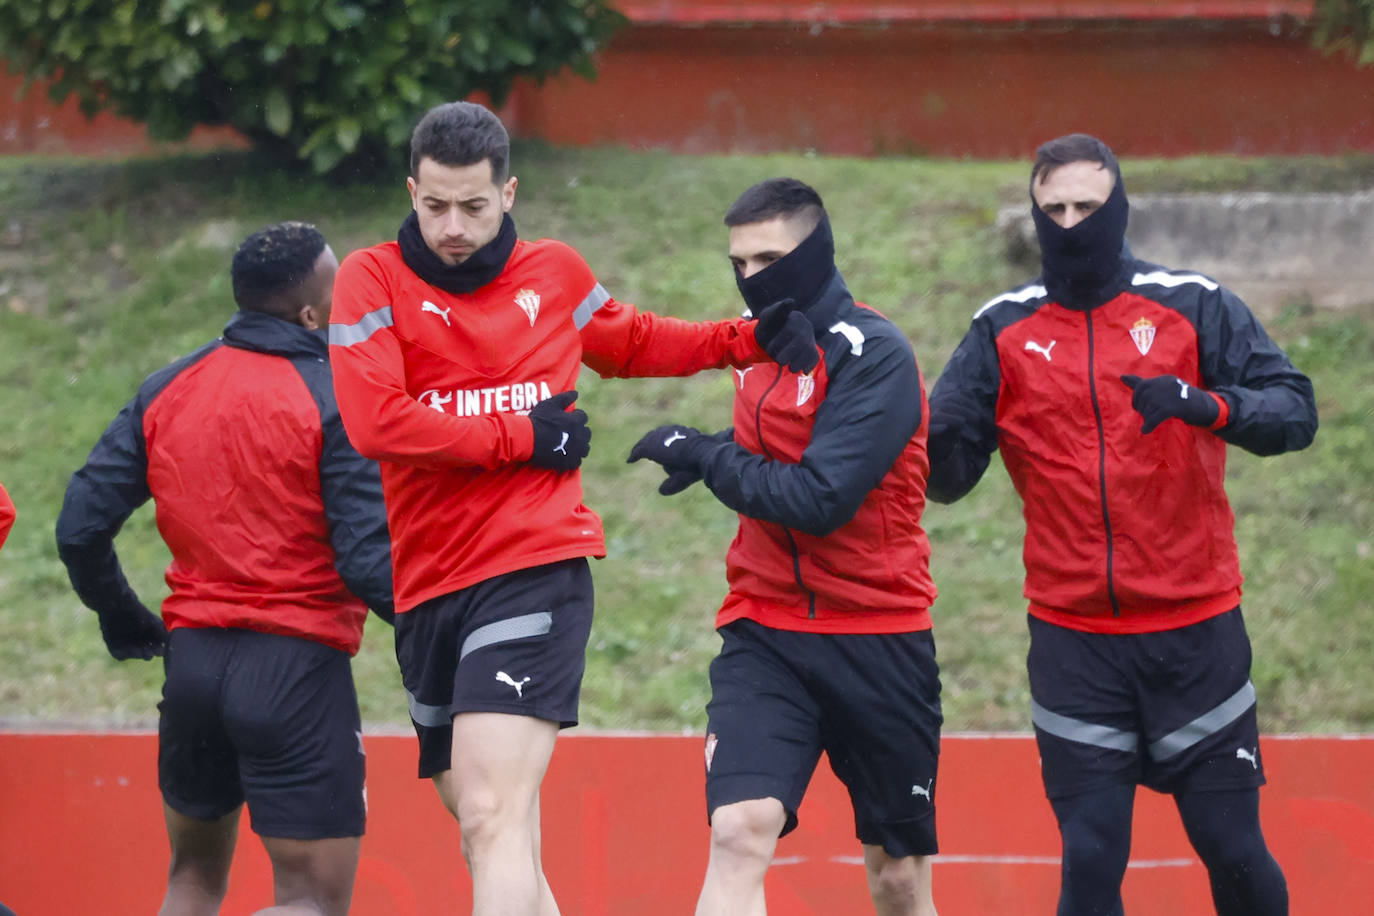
1162	278
1024	294
589	306
347	335
855	336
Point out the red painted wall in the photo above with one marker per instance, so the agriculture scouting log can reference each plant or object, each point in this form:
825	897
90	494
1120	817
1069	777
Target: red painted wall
980	78
1148	88
625	832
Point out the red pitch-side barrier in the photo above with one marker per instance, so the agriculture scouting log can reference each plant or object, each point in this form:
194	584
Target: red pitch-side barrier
625	834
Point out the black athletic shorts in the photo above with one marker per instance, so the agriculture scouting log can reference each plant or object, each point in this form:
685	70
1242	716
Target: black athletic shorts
1172	710
514	643
870	701
269	719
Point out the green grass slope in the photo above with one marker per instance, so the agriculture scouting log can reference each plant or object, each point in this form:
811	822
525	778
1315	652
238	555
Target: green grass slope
109	271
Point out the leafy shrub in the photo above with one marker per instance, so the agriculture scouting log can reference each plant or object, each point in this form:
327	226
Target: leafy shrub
333	82
1345	26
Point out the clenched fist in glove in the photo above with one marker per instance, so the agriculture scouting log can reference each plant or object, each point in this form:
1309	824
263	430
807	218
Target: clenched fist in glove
787	336
133	633
561	436
681	479
679	449
1167	396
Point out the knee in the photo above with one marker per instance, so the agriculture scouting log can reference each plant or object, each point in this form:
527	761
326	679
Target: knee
484	816
902	880
747	830
1094	847
209	876
1233	853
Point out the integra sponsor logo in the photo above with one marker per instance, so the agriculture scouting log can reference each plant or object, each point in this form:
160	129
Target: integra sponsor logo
473	402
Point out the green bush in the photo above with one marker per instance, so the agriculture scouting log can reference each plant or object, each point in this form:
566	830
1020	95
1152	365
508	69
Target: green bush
333	82
1345	26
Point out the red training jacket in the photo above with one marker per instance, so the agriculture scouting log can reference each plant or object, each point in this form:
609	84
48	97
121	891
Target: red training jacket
437	385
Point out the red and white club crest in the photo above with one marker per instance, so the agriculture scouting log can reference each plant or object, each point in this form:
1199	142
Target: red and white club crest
528	300
1143	333
806	386
710	750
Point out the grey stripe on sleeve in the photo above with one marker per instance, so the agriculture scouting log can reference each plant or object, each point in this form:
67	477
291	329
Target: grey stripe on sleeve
588	306
346	335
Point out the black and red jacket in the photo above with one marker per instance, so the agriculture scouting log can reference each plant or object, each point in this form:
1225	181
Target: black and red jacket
827	471
1125	532
275	523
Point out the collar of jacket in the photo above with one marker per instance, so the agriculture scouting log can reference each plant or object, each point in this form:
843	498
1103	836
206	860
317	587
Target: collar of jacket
833	299
264	333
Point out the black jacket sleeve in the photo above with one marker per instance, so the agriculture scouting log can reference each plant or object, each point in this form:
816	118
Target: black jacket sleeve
99	499
1272	406
351	488
963	415
872	408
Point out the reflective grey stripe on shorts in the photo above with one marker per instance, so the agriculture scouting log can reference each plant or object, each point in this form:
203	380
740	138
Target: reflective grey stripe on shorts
1205	725
501	631
346	335
1083	732
424	714
588	306
506	630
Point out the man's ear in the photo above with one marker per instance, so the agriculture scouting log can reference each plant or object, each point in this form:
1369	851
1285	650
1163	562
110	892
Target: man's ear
309	318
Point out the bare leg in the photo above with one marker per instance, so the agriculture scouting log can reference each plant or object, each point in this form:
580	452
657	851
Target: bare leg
900	887
312	876
743	837
498	763
201	854
547	905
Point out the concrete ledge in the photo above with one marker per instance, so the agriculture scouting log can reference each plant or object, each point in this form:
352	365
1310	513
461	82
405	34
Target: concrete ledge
1272	249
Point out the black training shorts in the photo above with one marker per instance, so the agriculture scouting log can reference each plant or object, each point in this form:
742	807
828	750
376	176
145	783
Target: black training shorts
514	643
870	701
269	719
1172	710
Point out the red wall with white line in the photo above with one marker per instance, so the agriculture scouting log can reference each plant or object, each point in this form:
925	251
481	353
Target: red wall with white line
625	834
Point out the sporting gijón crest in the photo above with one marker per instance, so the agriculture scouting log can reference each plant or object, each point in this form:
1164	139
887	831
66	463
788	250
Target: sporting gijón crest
528	300
1143	333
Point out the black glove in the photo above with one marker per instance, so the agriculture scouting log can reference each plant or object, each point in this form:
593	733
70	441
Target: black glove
677	481
787	336
561	436
1164	396
133	634
679	449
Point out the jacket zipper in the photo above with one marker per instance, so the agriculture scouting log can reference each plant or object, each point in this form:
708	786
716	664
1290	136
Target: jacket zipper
791	541
1102	468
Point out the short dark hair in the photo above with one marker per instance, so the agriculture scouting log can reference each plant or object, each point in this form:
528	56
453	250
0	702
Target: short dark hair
777	197
273	264
461	133
1072	148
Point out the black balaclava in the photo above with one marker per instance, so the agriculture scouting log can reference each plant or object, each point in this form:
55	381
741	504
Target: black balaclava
1081	264
477	270
800	275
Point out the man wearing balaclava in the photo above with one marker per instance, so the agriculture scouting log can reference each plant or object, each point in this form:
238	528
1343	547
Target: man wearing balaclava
1112	388
826	626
